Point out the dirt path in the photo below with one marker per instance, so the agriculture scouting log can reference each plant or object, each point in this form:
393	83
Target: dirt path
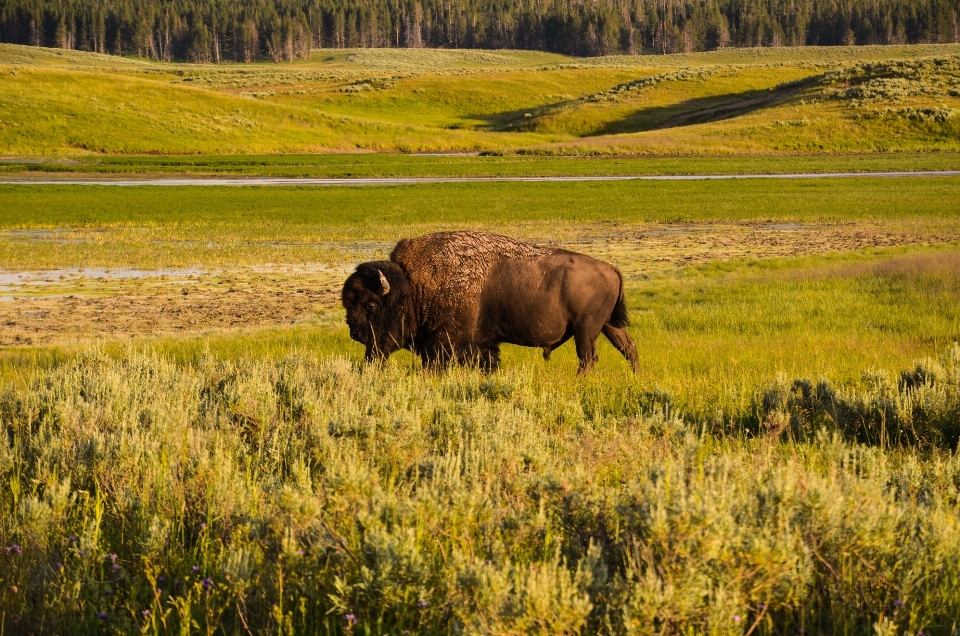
392	181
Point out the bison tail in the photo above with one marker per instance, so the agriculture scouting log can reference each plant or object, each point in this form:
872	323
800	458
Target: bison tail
619	317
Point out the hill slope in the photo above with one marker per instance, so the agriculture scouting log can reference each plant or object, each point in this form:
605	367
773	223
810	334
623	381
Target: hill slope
755	101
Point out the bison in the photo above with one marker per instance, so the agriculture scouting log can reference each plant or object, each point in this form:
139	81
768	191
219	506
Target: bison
460	295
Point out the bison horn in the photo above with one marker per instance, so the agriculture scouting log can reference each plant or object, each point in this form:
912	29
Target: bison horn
384	283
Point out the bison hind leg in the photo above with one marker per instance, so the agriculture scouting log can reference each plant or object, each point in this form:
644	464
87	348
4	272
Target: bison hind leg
585	339
620	339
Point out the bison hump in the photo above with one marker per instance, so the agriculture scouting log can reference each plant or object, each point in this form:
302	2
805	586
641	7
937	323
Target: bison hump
448	269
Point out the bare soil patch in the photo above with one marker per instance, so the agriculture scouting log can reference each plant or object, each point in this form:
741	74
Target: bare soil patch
70	306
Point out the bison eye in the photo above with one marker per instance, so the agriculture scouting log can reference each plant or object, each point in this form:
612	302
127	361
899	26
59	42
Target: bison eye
372	306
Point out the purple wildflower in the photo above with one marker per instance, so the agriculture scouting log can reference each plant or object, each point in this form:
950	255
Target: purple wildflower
103	616
73	538
736	618
108	592
145	612
898	603
351	619
203	526
59	565
115	567
83	552
195	569
160	578
113	557
15	549
422	604
761	607
207	583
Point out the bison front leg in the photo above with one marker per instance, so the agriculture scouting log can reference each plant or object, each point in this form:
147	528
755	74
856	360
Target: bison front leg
490	359
436	353
374	355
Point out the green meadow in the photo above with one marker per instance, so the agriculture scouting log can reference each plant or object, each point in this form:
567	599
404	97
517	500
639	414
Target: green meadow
742	102
785	462
354	165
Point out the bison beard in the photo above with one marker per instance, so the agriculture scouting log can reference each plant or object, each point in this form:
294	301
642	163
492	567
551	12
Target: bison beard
460	295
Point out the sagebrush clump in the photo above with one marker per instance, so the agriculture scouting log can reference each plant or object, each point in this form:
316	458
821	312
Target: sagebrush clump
312	496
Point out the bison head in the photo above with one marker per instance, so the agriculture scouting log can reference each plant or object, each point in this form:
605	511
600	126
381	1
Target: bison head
377	299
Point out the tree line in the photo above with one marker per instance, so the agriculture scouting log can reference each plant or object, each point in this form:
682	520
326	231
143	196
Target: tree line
228	30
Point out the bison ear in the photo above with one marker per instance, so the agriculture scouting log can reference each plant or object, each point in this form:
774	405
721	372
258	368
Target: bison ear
384	283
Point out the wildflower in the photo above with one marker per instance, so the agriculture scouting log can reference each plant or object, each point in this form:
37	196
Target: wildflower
195	569
422	604
115	567
108	592
73	538
761	607
898	603
145	612
351	619
83	552
113	557
14	589
203	526
103	616
14	549
14	618
736	618
59	565
300	552
207	583
160	578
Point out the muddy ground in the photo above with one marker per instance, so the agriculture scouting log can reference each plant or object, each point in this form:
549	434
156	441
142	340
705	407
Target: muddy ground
69	306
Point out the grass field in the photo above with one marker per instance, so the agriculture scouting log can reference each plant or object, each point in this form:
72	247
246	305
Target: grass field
785	101
192	443
405	165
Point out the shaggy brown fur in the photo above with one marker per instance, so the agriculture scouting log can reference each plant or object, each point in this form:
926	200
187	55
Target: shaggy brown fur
459	295
448	269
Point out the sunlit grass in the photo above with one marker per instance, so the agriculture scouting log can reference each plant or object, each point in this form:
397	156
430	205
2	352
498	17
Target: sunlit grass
63	103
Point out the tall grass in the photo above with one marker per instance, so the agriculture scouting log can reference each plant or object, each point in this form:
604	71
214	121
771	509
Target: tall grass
309	495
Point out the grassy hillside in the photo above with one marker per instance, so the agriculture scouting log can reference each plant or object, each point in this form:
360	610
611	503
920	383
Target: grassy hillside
741	102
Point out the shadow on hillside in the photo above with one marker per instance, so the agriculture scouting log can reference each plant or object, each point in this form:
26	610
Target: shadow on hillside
699	110
521	120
